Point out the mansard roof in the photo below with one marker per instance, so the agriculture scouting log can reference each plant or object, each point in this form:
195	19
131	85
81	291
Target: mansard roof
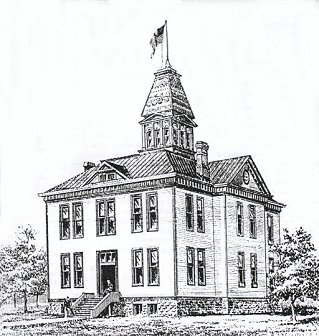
167	95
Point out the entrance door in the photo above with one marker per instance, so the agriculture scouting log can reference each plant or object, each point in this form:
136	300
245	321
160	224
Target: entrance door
107	269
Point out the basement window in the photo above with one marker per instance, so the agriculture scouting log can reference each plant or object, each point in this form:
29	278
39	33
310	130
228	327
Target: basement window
152	308
137	308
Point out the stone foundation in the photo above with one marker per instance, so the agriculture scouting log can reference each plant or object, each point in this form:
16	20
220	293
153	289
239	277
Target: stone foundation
200	306
248	306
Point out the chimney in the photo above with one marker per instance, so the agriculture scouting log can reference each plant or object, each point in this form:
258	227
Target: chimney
88	165
202	168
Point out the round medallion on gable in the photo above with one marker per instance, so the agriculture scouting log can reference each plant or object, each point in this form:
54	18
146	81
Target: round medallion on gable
246	176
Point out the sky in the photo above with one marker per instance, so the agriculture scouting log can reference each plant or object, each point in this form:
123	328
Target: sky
75	74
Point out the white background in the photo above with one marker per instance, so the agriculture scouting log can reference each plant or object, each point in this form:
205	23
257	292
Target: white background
75	74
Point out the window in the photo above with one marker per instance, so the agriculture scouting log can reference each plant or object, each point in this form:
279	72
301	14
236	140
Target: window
136	210
253	269
270	229
174	134
157	139
181	138
201	267
102	177
106	217
152	308
252	221
77	220
241	269
64	222
190	265
148	138
111	176
137	268
78	270
189	138
153	267
166	135
189	213
137	308
240	226
200	215
65	271
152	213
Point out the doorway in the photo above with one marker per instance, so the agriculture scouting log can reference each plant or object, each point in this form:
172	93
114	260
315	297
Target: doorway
106	269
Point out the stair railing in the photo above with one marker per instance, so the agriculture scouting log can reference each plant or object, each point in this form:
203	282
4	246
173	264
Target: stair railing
81	298
106	301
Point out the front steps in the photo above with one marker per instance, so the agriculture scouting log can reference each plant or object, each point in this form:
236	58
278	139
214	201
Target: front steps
85	307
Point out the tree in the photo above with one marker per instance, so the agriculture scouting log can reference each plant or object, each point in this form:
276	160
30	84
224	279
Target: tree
23	267
296	274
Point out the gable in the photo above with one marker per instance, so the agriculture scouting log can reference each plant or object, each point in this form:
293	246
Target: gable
105	173
248	177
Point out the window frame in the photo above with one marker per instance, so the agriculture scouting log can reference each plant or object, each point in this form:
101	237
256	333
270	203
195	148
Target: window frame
63	271
61	223
149	267
106	217
239	219
149	212
192	265
202	200
133	213
253	270
134	283
75	222
242	269
252	221
75	270
189	213
270	229
201	265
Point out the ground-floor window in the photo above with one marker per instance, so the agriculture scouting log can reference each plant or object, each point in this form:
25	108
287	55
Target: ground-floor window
153	266
253	269
137	267
201	267
190	265
137	308
241	269
65	270
78	270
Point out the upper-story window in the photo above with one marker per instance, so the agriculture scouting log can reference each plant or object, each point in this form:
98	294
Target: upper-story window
253	269
190	256
106	217
77	220
270	229
153	267
189	213
137	268
240	224
252	221
64	221
137	216
189	138
241	269
175	136
152	212
65	270
200	214
78	270
181	138
111	176
201	262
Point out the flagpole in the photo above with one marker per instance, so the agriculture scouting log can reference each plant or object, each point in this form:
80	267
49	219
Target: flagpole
167	58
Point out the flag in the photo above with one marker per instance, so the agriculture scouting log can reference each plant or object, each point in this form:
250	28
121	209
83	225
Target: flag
157	39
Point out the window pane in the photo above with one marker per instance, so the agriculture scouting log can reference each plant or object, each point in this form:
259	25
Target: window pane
101	209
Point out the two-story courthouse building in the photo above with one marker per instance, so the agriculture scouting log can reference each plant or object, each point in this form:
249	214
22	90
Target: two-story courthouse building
173	232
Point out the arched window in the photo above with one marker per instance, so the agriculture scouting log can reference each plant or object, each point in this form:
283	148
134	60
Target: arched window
166	133
148	138
157	139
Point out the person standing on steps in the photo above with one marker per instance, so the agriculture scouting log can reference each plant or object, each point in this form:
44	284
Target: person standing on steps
68	307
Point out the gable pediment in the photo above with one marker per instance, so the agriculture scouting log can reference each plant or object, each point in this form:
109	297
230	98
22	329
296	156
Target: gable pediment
248	177
107	172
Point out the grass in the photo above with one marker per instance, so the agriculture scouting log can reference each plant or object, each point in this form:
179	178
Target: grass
186	326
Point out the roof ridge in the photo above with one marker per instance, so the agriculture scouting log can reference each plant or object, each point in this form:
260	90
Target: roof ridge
121	157
232	158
